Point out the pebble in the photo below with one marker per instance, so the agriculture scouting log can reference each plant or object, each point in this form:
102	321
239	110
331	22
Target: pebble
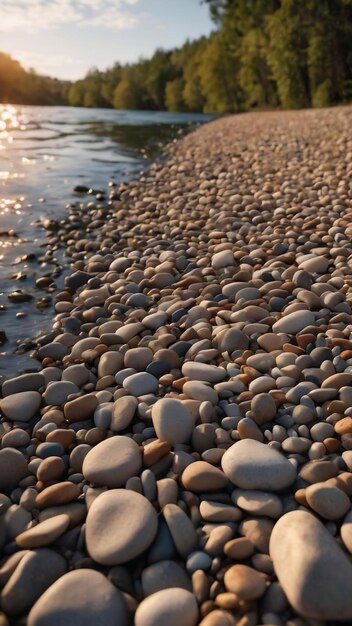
140	384
222	259
258	502
201	476
313	571
25	382
132	514
112	462
250	464
13	468
80	409
203	372
82	597
245	582
21	407
264	408
294	322
35	572
168	607
51	468
164	575
218	618
327	500
60	493
122	413
172	421
181	529
44	533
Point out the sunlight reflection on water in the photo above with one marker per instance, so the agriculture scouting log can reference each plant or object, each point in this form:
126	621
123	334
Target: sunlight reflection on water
44	153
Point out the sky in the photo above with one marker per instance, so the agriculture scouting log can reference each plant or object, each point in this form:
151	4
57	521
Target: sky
64	38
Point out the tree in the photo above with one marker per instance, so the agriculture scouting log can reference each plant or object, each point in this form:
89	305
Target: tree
127	94
174	95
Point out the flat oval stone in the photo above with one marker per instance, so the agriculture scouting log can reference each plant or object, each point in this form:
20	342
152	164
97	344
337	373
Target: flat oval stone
202	477
233	339
294	322
172	421
60	493
314	264
195	370
51	468
328	501
121	525
169	607
181	528
44	533
57	392
336	381
109	364
16	438
258	502
140	384
13	467
81	408
25	382
245	582
21	407
314	572
112	462
36	571
82	597
250	464
222	259
264	408
122	413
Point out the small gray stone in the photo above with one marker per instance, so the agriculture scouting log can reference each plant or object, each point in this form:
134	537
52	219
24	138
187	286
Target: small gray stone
140	384
164	575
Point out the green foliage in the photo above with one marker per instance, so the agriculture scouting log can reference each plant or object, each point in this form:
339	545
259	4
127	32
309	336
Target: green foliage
174	95
21	87
262	54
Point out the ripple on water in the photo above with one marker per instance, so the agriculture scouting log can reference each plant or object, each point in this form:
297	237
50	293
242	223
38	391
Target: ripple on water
44	153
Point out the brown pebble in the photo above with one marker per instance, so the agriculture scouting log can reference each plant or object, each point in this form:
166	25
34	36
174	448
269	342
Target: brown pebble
51	468
154	451
64	436
239	549
60	493
245	582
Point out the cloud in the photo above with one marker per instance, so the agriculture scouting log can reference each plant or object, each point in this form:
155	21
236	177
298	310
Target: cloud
32	16
51	64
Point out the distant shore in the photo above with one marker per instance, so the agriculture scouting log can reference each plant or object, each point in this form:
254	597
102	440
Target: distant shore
184	454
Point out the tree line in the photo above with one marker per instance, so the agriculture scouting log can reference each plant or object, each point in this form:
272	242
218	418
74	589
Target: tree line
18	86
261	54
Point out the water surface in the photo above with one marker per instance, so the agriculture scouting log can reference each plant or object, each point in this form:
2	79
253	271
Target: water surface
45	152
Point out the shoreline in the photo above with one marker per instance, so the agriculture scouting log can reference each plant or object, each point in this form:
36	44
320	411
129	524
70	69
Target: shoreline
186	450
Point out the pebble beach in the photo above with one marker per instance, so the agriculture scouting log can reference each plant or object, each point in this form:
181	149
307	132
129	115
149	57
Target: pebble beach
183	456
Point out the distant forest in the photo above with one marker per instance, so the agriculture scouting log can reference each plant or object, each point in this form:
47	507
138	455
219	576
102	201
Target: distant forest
262	54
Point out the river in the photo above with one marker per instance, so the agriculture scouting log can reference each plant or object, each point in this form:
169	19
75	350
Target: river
45	153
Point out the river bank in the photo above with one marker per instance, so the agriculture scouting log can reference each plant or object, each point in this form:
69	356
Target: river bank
48	154
185	452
